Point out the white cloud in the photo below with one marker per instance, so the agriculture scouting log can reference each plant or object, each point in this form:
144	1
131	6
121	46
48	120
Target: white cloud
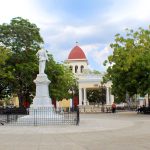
79	31
93	34
122	10
27	9
10	9
69	32
97	54
90	67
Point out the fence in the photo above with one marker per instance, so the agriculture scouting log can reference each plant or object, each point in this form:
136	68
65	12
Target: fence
40	117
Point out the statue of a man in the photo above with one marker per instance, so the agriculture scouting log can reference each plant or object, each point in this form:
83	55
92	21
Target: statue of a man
42	55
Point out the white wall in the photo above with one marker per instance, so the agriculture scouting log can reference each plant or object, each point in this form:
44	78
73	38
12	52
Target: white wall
78	63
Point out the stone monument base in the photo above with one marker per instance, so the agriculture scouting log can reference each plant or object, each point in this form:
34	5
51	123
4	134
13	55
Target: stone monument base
42	110
41	116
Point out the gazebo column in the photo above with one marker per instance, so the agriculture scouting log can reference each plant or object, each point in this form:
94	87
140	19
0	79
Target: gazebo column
85	97
107	96
80	96
112	99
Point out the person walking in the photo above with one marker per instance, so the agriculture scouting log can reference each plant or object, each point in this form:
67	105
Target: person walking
113	107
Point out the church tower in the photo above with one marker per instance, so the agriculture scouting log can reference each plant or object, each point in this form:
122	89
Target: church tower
77	60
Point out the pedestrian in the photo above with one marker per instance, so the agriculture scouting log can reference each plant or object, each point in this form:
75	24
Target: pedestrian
113	107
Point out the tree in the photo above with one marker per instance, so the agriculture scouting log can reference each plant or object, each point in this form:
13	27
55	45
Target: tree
61	78
20	35
97	95
26	69
129	66
23	39
5	70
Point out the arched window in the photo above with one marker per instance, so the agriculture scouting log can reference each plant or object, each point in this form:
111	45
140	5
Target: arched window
76	69
82	67
70	68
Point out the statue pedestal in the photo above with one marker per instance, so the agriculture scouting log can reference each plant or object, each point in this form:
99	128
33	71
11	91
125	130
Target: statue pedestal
42	110
42	98
42	104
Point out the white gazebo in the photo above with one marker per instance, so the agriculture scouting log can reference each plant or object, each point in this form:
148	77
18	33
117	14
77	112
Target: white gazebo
78	63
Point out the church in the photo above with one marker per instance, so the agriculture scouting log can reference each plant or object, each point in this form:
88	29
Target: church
78	64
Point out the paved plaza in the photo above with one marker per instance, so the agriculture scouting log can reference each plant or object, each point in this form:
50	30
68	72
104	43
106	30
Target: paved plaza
119	131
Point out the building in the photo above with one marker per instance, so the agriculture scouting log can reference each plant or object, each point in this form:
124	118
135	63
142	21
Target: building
78	63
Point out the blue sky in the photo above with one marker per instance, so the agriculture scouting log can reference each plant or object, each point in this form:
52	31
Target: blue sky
93	23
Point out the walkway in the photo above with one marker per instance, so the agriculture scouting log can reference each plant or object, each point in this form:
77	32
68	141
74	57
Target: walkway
120	131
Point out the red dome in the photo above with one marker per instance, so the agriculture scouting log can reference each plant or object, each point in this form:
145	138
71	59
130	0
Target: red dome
76	53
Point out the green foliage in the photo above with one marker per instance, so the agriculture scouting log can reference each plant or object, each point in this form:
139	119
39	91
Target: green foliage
19	64
5	54
61	78
96	72
129	67
1	103
23	39
20	35
97	95
5	70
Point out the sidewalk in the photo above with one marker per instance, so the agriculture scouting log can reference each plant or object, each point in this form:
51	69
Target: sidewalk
119	131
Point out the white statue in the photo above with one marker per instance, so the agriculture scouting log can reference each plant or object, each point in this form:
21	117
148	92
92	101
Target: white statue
42	55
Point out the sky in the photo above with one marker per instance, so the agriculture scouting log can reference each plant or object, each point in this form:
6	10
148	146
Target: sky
91	23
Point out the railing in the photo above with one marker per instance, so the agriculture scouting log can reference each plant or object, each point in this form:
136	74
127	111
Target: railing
41	117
